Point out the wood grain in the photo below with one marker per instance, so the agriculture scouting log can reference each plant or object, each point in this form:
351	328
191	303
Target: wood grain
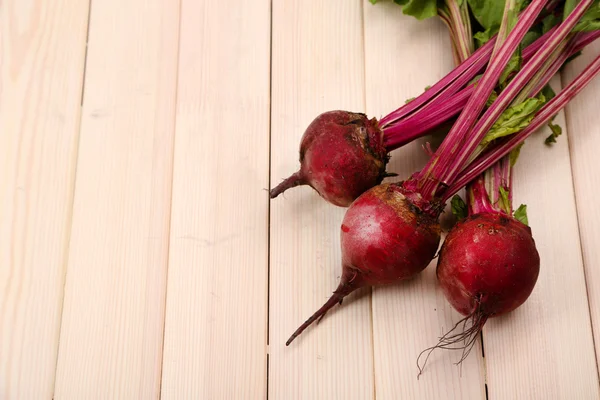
543	349
144	210
216	323
410	317
42	53
583	121
318	66
112	328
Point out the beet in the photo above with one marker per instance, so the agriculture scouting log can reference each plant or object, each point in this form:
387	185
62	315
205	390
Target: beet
384	239
488	264
341	156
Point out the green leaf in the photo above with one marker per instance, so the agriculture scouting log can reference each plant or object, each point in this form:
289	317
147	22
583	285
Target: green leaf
475	80
522	4
550	140
590	20
493	97
514	155
587	26
556	132
504	200
548	92
420	9
483	37
550	22
409	100
487	12
514	119
514	65
521	214
459	207
569	7
530	37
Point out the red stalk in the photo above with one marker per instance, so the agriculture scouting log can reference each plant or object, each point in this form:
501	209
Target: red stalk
504	147
466	134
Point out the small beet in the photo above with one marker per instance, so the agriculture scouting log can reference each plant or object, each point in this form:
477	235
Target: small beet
384	239
488	266
341	156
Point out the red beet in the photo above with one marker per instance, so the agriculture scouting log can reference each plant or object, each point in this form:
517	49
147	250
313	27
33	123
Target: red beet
341	156
384	239
488	264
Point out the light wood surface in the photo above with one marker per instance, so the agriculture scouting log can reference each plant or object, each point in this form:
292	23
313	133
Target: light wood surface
583	120
216	326
140	256
42	54
112	326
318	65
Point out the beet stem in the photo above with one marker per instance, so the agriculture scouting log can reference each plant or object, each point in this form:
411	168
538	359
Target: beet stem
343	290
466	134
294	180
457	148
487	159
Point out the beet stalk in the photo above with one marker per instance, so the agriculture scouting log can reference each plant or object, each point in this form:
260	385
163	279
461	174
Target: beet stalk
508	144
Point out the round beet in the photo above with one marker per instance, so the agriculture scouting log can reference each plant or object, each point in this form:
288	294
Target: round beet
341	156
488	264
384	239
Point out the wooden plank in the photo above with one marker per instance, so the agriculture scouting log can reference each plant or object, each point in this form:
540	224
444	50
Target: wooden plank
403	56
111	338
318	66
216	324
583	121
544	349
42	54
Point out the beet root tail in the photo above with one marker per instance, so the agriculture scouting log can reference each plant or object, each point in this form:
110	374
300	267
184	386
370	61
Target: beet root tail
343	290
294	180
455	339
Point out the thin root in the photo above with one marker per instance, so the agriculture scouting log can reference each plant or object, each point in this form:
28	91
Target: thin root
346	286
294	180
464	340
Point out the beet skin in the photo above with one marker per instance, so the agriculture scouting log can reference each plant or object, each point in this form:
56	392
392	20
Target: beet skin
341	156
385	239
488	264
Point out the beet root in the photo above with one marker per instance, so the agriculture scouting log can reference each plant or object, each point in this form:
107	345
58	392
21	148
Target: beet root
488	266
489	263
341	156
385	239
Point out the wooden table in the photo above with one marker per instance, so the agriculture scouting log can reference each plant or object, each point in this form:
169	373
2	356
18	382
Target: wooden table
140	256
